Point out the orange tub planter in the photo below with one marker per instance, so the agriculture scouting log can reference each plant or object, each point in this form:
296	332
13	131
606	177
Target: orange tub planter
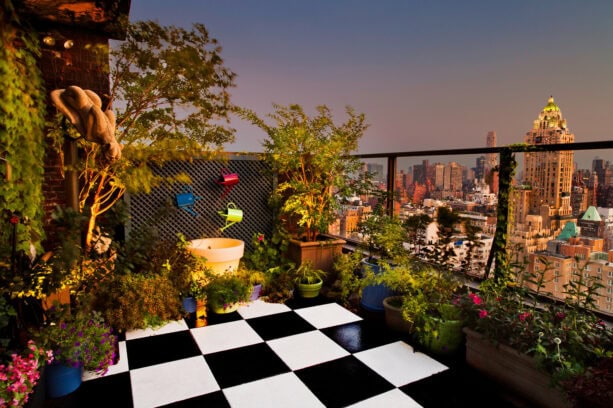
222	254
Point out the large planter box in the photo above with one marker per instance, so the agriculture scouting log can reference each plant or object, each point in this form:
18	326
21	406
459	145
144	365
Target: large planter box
320	253
513	370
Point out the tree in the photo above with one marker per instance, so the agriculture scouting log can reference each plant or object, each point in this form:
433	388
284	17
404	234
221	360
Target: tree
442	252
416	226
169	87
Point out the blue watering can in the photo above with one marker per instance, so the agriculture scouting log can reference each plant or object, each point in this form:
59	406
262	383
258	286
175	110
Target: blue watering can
186	200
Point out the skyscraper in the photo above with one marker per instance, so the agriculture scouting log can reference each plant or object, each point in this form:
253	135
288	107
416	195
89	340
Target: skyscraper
549	173
492	159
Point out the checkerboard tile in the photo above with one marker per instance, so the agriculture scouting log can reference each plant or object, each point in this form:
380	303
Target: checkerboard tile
300	354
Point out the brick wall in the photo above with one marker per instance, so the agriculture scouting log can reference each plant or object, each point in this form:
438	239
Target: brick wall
85	64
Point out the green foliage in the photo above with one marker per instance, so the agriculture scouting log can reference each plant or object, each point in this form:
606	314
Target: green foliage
224	290
383	236
267	253
22	97
311	157
442	252
416	226
306	273
134	301
347	284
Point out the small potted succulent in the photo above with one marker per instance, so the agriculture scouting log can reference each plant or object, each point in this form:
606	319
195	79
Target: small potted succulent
79	341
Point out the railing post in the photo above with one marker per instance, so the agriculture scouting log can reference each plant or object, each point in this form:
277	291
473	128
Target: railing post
392	163
506	170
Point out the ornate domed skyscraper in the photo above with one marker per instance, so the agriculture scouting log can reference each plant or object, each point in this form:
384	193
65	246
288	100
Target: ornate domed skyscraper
549	174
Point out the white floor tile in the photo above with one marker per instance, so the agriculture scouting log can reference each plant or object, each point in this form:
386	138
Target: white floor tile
327	315
174	381
394	398
120	367
399	364
169	327
280	391
306	349
225	336
260	308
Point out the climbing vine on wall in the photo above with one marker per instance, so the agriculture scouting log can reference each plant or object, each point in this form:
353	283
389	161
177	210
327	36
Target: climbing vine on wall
21	134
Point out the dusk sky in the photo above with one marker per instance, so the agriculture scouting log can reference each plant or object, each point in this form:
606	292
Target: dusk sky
427	74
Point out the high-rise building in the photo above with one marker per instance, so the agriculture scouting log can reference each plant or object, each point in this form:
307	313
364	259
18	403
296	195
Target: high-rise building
491	158
549	174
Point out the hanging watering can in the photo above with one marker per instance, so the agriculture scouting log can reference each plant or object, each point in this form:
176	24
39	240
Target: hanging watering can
227	180
232	214
186	200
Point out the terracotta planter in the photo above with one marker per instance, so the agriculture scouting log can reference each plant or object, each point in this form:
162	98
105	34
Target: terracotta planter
222	254
513	370
320	253
393	316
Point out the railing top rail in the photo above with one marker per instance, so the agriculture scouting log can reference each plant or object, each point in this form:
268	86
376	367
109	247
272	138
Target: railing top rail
515	148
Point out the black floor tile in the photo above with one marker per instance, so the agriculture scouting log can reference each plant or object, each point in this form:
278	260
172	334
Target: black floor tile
245	364
362	335
463	387
214	318
162	348
299	302
109	391
344	381
213	400
279	325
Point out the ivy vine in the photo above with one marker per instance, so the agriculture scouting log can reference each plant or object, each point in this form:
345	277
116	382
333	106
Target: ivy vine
22	143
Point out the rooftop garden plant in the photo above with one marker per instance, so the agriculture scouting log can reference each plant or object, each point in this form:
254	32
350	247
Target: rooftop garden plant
566	339
223	291
79	339
311	156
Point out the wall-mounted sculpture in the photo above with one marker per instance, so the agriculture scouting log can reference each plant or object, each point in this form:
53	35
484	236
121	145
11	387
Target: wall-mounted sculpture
84	110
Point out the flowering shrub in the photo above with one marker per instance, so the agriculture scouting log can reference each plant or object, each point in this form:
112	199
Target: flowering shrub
80	340
565	338
224	290
19	375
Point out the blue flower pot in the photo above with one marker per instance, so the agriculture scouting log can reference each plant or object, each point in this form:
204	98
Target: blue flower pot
373	295
189	304
61	380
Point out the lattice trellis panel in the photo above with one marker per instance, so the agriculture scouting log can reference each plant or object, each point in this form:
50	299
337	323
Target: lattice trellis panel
250	195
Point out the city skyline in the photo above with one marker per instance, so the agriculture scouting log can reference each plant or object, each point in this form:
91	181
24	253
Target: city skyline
428	75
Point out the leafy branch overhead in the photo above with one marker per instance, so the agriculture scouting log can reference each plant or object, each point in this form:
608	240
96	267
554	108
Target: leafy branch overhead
170	94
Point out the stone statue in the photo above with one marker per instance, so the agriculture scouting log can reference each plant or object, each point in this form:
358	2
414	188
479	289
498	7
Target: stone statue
84	110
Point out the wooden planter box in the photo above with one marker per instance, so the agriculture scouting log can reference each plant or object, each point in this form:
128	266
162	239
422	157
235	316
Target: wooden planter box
320	253
516	371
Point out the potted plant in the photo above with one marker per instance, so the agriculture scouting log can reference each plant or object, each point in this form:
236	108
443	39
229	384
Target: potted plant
311	157
224	293
545	343
308	280
383	238
198	292
79	341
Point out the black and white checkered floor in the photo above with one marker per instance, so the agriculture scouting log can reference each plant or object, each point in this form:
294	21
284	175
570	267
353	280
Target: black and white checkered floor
278	355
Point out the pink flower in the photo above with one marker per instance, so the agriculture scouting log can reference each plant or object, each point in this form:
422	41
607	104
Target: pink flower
260	237
476	299
523	316
482	314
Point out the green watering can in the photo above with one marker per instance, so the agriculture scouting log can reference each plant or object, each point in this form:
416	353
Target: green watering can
232	214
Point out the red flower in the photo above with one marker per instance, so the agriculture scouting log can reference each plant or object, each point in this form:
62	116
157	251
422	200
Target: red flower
523	316
476	299
482	314
261	237
14	220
